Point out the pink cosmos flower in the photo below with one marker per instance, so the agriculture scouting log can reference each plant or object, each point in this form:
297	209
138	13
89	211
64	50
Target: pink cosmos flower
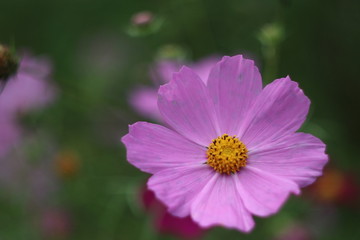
231	150
144	99
27	90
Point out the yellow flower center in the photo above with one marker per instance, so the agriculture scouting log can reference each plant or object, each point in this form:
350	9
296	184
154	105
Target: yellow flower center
226	154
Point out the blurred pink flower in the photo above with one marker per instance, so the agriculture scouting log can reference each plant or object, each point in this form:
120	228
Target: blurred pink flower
29	89
336	187
55	224
231	150
9	133
295	232
30	177
144	99
185	228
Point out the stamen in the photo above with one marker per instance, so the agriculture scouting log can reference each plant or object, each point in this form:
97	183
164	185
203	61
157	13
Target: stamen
227	154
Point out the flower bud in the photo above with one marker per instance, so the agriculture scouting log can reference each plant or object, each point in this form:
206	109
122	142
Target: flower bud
171	52
142	18
144	23
271	35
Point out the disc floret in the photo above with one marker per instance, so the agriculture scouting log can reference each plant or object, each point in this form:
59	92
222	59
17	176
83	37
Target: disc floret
227	154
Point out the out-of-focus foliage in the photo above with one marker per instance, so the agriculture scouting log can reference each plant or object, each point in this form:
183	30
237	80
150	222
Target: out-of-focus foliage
93	192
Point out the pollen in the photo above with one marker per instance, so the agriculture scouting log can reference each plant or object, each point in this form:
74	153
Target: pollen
227	154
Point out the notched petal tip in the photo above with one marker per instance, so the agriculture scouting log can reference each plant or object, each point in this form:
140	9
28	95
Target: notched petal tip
296	191
162	89
292	84
132	128
244	229
247	228
183	69
124	138
297	89
166	92
183	72
238	57
182	78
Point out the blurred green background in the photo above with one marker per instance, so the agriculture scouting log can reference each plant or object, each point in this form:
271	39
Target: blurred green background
99	56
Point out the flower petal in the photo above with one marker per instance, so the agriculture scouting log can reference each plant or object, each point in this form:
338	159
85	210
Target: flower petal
262	193
233	85
299	157
185	227
185	105
153	148
280	109
203	67
9	134
178	187
219	203
25	92
144	101
163	70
